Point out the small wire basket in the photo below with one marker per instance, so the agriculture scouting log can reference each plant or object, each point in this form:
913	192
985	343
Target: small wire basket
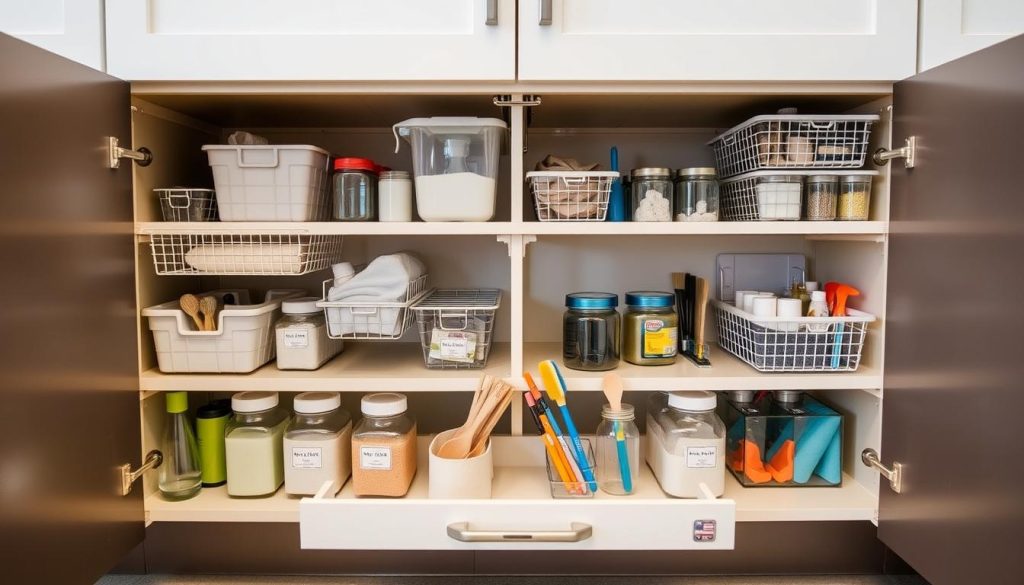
457	327
571	195
227	252
184	204
371	320
561	489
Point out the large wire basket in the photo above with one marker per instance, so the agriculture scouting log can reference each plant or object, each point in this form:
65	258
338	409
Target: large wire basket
456	327
230	252
371	320
571	195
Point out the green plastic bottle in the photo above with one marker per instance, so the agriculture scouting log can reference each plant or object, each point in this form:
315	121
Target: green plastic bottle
210	422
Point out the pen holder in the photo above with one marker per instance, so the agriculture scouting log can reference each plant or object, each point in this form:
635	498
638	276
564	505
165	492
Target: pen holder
688	348
459	478
560	489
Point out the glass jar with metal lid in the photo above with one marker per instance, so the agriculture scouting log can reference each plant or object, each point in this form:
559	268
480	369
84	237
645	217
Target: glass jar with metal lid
820	197
651	328
696	191
652	194
854	198
355	189
590	331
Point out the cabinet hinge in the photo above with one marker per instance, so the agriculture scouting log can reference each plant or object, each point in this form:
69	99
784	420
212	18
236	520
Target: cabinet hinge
128	477
908	153
115	153
870	458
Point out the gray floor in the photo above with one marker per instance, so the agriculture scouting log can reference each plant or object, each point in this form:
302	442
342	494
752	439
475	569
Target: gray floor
246	580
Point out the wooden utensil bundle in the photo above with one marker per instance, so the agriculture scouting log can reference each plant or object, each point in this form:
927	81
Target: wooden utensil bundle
202	310
490	401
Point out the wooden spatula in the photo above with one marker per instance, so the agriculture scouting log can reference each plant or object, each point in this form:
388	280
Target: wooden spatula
190	305
484	433
208	306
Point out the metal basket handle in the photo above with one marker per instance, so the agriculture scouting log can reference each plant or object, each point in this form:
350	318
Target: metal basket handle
822	125
364	310
575	180
464	316
186	196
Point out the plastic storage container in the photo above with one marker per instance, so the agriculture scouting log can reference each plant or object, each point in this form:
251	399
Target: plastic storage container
591	331
270	183
457	326
185	204
455	162
651	329
317	444
618	450
253	444
354	189
384	447
686	443
571	195
560	489
242	342
854	202
651	194
820	196
786	438
696	191
394	196
302	341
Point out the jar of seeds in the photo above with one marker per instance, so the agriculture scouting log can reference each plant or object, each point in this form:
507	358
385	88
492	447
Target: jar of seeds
821	192
854	198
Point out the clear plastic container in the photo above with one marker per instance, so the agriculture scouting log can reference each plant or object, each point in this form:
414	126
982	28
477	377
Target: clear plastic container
696	191
779	197
820	197
355	189
394	194
384	447
618	450
254	444
301	335
590	331
317	444
652	194
687	446
854	202
455	162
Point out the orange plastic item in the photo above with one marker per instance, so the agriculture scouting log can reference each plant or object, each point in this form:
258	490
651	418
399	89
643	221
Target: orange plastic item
781	466
843	292
736	459
753	467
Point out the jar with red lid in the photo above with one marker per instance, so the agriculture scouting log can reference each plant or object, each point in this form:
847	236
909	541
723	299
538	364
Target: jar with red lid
355	189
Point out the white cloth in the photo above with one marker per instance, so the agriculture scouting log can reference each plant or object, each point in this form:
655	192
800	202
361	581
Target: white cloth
248	259
385	280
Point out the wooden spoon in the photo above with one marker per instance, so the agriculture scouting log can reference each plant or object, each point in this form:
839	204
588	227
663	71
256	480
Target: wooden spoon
484	434
462	442
208	306
613	390
190	305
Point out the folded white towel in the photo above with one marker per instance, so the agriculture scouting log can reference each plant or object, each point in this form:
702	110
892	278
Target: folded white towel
248	259
385	280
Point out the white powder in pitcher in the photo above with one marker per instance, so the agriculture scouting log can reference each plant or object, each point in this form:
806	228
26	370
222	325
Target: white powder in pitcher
455	197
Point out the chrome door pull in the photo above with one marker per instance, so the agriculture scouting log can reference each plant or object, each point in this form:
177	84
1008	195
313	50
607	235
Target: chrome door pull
908	153
870	458
115	152
128	477
545	13
492	13
577	532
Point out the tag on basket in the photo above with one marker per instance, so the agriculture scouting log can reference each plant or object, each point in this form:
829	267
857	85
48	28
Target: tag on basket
455	346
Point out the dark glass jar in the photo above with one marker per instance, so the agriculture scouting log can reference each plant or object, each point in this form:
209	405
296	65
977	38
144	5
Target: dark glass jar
590	331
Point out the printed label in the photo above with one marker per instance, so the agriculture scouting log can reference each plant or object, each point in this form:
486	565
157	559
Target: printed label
704	530
307	458
375	458
296	339
659	340
454	348
701	457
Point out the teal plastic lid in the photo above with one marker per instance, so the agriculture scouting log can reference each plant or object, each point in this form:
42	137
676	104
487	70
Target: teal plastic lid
650	299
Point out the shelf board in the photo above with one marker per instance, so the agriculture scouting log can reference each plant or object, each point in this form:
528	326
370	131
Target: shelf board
346	228
726	373
364	367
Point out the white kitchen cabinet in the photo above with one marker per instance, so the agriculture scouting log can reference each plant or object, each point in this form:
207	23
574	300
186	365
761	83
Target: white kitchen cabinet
953	28
725	40
311	39
70	28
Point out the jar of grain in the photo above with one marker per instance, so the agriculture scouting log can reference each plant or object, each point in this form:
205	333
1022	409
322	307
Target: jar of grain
820	198
854	198
384	447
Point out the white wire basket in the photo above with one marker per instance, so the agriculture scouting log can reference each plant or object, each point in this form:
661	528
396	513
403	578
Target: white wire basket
793	141
751	197
456	327
786	344
571	195
371	320
231	252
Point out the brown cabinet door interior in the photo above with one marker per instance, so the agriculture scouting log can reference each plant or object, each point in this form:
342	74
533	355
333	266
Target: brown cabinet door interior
69	402
954	371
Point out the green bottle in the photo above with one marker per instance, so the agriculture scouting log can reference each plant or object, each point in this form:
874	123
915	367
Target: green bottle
210	422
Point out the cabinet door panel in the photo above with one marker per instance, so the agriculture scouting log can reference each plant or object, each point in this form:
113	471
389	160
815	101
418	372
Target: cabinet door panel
722	40
953	28
310	40
70	28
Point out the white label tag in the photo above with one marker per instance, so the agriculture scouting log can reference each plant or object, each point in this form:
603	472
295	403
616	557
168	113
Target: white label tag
454	348
296	339
377	458
307	458
701	457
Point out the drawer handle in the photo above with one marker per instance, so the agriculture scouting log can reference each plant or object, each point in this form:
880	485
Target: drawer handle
577	532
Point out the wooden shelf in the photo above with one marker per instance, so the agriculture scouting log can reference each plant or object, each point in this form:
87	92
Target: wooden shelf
727	373
362	367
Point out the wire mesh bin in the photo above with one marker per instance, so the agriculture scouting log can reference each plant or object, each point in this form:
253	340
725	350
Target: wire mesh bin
787	344
184	204
371	320
571	195
771	195
226	252
561	489
456	327
793	141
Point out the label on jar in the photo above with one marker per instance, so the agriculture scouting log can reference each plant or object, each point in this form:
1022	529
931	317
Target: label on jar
658	339
296	338
307	458
375	458
701	457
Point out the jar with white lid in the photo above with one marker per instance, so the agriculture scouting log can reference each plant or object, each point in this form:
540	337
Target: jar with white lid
254	444
394	196
301	336
384	447
317	444
688	443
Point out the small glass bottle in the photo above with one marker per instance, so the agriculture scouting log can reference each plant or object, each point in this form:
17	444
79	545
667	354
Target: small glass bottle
697	195
590	331
384	447
618	450
652	194
180	475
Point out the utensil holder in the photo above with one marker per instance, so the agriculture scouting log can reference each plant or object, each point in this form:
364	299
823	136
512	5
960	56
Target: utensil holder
459	478
561	489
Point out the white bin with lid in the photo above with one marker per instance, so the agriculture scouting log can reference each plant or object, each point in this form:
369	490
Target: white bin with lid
686	443
455	162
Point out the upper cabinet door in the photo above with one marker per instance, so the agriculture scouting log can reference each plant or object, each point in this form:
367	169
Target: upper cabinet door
953	28
311	39
69	372
720	40
953	370
70	28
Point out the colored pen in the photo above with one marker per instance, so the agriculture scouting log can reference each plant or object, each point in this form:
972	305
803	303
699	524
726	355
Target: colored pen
549	443
556	389
547	419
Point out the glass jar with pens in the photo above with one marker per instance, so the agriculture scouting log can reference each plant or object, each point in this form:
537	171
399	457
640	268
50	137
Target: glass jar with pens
618	450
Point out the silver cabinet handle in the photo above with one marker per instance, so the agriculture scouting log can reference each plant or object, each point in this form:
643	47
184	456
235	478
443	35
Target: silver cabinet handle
492	13
577	532
545	12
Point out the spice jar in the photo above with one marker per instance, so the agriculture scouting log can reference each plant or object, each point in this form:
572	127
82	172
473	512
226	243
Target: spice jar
651	328
618	450
697	194
854	198
317	444
395	196
687	443
590	331
778	197
355	189
652	194
253	444
820	198
384	447
302	341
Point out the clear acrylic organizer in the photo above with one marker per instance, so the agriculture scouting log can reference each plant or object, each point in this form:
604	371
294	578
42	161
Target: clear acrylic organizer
563	490
457	327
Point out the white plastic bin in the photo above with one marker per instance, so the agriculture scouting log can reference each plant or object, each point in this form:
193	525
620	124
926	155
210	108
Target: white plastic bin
243	341
270	182
455	162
